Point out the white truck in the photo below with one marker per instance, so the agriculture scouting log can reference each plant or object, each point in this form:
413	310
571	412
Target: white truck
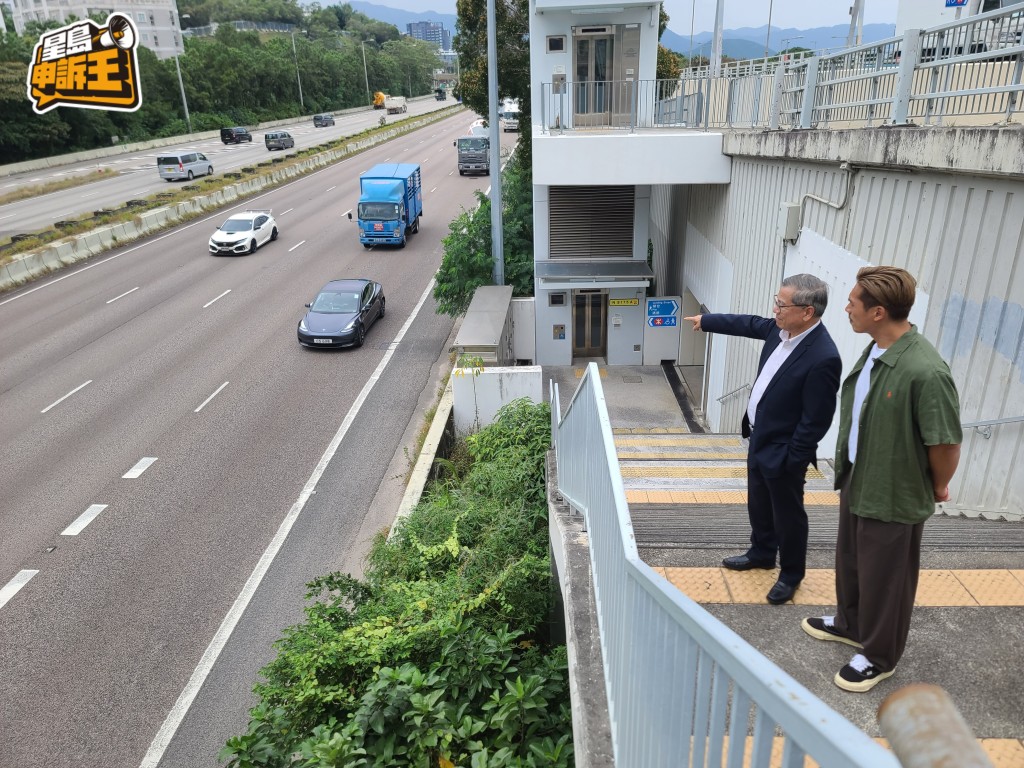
395	105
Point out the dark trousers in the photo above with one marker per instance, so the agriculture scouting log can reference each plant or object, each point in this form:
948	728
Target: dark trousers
778	522
877	567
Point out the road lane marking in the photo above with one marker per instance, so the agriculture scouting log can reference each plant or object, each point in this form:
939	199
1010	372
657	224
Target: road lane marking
434	189
69	394
288	211
143	464
292	248
207	400
331	188
83	520
346	213
450	172
188	695
11	588
219	297
123	295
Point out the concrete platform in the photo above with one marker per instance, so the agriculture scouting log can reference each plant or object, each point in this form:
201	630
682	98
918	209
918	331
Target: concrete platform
969	618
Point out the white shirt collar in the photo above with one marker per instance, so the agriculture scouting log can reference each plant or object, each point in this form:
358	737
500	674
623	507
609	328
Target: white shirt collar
794	340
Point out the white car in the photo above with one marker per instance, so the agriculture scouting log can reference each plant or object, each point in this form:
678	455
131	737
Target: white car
244	232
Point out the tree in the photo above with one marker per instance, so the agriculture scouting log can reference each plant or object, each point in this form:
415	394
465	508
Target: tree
511	18
467	263
668	64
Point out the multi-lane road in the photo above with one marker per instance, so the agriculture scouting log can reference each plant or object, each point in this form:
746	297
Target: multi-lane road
176	467
133	175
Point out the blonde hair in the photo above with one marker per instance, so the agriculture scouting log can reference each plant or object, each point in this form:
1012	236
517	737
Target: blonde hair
891	288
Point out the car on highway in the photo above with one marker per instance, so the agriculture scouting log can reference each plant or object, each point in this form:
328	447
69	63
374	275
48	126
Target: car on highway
235	135
278	140
184	165
342	313
244	232
321	121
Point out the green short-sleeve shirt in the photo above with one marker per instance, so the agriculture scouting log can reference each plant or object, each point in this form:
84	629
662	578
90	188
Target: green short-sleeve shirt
912	404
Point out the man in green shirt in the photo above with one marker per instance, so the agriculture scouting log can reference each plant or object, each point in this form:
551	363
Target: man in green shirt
898	447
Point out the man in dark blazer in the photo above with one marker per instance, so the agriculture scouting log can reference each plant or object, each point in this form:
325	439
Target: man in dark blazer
792	402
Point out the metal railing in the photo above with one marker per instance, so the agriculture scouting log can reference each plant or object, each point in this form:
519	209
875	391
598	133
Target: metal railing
733	393
984	428
966	72
686	690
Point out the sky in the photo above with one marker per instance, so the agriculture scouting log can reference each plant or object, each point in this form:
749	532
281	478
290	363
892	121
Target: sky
798	14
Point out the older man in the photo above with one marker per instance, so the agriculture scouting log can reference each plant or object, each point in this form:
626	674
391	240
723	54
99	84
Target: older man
791	406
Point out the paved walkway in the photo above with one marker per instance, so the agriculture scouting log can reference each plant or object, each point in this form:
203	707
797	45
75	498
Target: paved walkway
687	498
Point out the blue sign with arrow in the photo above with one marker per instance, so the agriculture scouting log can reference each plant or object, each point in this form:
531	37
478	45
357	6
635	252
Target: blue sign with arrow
663	308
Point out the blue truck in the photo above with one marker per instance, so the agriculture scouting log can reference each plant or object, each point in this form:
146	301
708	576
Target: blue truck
390	204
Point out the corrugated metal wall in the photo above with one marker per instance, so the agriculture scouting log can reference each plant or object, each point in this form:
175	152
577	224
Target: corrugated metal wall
961	236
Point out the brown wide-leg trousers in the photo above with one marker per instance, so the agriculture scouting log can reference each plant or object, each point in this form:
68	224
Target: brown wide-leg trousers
877	567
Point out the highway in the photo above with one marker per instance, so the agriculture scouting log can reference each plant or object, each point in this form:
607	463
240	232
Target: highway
133	175
177	467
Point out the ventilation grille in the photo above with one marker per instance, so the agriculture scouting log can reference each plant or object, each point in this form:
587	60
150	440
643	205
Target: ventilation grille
591	222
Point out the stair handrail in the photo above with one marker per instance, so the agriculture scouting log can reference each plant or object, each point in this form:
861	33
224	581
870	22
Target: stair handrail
984	427
727	395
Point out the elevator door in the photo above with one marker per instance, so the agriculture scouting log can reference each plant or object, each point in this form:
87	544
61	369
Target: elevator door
592	87
589	313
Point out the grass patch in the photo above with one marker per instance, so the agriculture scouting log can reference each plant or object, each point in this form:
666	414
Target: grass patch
37	190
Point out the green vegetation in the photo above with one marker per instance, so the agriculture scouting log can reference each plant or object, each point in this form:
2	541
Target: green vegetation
230	78
438	656
467	262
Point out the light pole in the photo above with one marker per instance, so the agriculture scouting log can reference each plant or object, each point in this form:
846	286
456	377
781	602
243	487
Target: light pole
787	39
297	76
181	83
366	77
769	35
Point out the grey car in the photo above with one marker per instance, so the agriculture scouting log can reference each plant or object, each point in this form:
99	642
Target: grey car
279	140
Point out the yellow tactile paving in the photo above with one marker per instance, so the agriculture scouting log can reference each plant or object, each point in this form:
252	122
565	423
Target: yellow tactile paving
681	440
701	472
748	586
990	587
936	588
580	371
691	438
705	585
633	455
711	498
942	588
817	588
1003	753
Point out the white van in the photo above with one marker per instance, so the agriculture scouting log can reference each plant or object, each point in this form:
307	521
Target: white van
185	165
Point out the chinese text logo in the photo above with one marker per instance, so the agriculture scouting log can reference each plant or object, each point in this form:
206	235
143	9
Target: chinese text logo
85	65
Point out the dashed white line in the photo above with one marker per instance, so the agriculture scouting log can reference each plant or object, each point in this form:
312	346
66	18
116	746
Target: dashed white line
133	290
83	520
450	172
330	188
69	394
346	213
288	211
434	189
219	297
11	588
188	695
296	246
142	465
207	400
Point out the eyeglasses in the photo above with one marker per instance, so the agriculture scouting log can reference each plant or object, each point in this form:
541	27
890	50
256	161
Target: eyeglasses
780	306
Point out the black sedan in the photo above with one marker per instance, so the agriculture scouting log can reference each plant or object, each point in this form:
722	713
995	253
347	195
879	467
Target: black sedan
341	314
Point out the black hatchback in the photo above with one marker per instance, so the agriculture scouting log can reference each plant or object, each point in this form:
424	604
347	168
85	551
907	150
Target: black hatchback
235	135
341	314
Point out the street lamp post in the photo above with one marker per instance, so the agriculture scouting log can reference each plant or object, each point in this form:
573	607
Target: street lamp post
297	76
181	83
768	36
788	39
366	77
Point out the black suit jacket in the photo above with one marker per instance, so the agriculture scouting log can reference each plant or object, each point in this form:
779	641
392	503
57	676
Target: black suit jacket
796	409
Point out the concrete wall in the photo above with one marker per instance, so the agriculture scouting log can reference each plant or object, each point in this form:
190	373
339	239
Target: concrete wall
947	207
479	393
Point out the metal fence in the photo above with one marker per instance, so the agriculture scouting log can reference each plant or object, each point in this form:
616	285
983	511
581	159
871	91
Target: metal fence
683	689
967	72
